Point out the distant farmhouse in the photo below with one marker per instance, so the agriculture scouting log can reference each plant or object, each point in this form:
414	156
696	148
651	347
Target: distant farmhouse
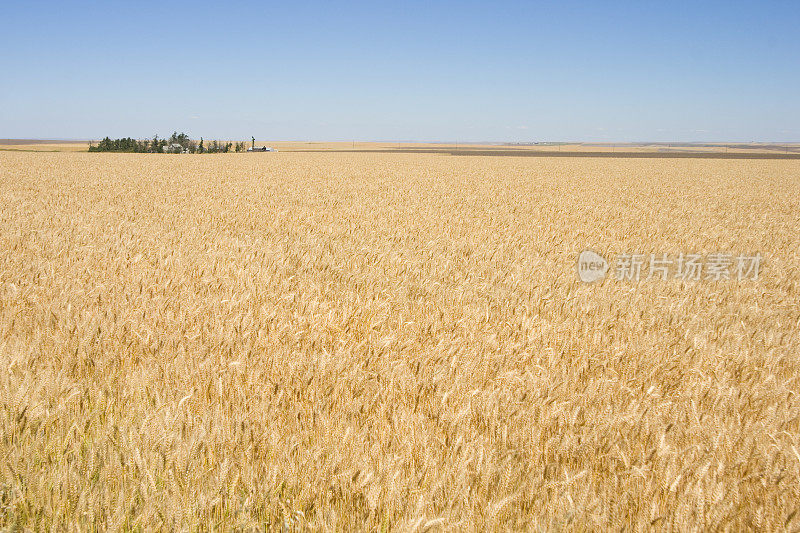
175	148
262	149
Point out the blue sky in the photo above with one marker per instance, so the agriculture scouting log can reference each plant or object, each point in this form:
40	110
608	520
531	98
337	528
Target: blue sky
458	71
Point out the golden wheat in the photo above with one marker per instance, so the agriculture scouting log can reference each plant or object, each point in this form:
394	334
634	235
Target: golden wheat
393	341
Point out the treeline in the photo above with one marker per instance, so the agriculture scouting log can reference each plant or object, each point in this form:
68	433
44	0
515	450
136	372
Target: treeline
175	144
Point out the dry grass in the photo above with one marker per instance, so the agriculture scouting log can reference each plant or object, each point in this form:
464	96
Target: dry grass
389	341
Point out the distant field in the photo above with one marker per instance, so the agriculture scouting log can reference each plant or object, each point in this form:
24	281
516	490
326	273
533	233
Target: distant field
620	150
733	150
32	145
377	341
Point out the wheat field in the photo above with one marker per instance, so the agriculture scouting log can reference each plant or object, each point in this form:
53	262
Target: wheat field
356	341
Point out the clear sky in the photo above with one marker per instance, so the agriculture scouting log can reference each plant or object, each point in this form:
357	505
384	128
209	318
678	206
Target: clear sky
459	71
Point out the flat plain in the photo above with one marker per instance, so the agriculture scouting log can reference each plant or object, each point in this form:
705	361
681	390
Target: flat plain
375	341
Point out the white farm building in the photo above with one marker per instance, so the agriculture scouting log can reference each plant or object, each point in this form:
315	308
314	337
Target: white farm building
175	148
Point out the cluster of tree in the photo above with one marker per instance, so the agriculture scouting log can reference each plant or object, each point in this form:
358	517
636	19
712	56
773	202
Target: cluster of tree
215	147
121	145
176	143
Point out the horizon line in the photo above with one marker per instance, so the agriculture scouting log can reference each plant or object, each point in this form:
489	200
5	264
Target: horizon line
416	141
